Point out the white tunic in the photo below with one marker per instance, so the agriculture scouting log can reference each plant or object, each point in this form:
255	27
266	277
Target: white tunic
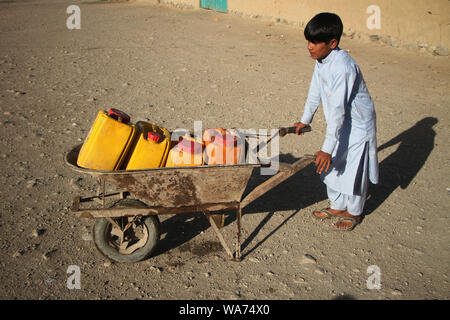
350	138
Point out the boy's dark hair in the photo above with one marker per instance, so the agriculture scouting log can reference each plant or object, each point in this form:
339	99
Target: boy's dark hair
324	27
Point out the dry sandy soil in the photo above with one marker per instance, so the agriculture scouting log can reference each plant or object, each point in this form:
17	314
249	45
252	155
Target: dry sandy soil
172	67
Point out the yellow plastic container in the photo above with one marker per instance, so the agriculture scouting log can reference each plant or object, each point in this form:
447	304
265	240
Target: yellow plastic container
108	141
187	152
223	147
151	149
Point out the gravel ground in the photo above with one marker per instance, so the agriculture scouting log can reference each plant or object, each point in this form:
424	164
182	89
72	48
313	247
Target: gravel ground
172	67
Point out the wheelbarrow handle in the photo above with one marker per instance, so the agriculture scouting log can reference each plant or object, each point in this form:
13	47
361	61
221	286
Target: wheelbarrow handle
284	131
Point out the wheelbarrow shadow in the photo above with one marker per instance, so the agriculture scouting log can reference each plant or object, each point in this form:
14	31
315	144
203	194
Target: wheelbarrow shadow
299	191
305	188
179	229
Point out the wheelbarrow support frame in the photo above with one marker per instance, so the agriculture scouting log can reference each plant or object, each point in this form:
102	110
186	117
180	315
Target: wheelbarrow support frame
285	171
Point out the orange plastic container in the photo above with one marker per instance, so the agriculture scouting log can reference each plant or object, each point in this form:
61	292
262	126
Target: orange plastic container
187	152
223	147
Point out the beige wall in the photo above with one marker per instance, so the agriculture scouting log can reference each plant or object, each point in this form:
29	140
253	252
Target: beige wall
407	22
180	3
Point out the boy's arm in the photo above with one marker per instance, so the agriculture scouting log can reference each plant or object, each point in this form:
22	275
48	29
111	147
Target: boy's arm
340	92
313	100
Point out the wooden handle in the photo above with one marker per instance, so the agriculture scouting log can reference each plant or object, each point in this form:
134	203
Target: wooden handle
285	131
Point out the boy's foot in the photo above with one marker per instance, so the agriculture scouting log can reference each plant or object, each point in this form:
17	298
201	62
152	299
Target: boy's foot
347	222
327	213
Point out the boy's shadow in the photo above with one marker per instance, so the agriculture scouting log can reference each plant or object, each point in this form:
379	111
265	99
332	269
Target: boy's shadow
305	189
400	167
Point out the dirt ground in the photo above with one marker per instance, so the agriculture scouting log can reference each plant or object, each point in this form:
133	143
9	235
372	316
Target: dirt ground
171	67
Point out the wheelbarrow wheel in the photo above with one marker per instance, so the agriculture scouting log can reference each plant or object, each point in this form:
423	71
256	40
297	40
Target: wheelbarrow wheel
127	239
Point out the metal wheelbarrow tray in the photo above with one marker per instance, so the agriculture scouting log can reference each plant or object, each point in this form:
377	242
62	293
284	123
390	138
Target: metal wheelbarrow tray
130	232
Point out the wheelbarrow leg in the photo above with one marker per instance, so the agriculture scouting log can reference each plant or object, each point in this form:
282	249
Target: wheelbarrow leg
238	242
218	233
101	191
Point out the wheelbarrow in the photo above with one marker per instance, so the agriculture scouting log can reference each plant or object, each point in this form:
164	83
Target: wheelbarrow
130	230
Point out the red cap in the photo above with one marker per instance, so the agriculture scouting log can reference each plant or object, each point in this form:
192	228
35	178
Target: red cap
226	139
154	136
190	146
115	114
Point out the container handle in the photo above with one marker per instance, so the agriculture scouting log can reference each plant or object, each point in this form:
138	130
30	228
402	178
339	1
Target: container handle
119	115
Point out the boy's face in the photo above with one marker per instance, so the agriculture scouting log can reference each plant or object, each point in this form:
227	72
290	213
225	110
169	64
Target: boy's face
321	50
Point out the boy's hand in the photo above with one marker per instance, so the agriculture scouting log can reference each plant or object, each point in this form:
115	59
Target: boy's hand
299	126
323	161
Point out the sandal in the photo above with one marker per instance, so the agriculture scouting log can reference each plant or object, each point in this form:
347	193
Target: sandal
328	213
352	220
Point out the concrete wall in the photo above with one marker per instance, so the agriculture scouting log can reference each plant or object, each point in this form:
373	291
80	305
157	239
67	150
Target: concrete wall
411	23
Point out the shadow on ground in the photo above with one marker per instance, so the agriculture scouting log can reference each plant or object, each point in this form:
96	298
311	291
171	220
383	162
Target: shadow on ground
305	189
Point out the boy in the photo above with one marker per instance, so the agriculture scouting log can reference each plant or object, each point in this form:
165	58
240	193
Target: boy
348	157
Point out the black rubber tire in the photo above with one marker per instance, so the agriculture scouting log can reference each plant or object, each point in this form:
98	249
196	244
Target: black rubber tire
102	227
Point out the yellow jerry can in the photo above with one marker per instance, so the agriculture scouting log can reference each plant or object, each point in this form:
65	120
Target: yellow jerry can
108	141
151	149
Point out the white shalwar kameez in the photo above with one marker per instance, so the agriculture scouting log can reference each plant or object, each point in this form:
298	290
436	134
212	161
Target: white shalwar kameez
350	138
